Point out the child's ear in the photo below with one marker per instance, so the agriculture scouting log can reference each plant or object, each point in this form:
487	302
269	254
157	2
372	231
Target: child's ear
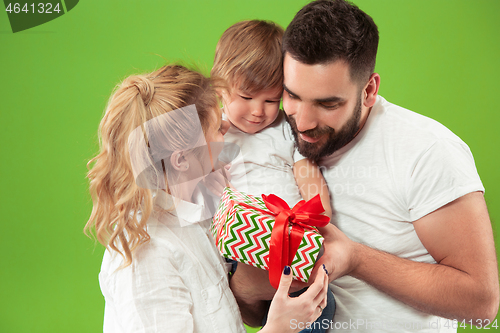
222	96
219	92
179	161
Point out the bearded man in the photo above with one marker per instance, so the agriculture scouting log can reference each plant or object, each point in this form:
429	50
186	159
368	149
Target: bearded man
414	242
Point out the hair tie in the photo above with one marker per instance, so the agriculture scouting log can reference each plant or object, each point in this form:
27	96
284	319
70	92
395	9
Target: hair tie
145	87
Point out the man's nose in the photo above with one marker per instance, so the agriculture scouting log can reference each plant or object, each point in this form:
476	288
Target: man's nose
305	118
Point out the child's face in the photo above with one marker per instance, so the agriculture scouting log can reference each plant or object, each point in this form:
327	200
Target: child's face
252	112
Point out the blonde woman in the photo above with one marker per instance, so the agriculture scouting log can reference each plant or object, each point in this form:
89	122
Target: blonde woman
159	141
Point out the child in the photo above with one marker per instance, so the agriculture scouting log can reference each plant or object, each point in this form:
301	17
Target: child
248	58
161	271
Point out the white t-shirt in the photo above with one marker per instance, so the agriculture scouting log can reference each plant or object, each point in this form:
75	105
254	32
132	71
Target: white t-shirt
399	168
177	282
265	165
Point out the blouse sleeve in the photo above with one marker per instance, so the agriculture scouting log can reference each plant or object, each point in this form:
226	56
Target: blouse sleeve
148	296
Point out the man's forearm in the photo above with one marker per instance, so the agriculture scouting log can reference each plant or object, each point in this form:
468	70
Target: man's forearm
251	288
432	288
251	307
252	313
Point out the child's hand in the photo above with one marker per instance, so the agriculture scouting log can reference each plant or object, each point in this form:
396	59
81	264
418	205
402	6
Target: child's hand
287	314
226	172
216	181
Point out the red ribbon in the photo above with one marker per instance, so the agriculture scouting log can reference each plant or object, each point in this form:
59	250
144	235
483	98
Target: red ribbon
284	244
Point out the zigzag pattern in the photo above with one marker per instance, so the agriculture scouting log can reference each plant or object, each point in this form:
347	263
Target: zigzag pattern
248	237
244	235
261	240
309	248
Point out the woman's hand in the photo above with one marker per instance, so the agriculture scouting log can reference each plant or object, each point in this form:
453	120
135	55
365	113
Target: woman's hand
286	314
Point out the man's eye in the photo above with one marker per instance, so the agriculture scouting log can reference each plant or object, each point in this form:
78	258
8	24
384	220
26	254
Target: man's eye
292	96
330	106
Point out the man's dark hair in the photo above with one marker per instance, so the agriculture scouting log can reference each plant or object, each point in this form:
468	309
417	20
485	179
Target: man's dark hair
325	31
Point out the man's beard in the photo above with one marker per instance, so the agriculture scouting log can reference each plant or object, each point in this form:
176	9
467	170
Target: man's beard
335	140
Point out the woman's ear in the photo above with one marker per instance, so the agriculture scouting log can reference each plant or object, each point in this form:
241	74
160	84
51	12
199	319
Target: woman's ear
179	161
371	90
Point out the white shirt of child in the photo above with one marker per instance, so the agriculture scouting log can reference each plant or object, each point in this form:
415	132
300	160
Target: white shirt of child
399	168
177	282
265	165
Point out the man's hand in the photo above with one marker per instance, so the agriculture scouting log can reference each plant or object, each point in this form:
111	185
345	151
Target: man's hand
339	256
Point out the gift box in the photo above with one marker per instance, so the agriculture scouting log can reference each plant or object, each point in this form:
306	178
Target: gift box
266	233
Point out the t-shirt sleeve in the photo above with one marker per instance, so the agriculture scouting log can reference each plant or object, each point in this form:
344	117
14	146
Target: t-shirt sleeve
443	173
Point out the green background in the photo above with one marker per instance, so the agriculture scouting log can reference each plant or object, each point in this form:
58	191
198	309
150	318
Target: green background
438	58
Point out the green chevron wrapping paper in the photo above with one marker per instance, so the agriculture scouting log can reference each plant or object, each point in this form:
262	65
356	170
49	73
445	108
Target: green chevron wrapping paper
243	234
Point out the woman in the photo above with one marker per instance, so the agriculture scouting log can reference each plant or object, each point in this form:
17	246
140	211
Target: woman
160	137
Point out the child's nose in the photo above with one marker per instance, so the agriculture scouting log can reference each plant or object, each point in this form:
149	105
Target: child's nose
258	111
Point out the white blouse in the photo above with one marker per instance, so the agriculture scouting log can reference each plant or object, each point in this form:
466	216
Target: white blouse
177	282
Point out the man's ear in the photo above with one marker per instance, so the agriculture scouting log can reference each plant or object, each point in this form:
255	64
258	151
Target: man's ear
371	90
178	161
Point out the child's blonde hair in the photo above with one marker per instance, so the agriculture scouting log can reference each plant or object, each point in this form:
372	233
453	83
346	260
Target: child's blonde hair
248	56
117	199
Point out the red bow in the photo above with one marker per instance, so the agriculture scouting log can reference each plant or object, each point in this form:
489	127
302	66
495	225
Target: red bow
284	244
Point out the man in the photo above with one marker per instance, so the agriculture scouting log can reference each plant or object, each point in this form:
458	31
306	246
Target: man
414	242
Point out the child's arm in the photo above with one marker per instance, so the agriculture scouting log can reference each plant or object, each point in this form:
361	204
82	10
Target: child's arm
311	182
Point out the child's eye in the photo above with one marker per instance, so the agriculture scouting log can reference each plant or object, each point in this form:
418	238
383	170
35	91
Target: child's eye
273	101
245	97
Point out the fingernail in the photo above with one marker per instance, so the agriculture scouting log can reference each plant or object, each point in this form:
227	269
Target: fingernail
287	270
324	267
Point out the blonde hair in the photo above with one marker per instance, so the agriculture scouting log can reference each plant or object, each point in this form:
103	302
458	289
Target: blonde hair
248	55
117	199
